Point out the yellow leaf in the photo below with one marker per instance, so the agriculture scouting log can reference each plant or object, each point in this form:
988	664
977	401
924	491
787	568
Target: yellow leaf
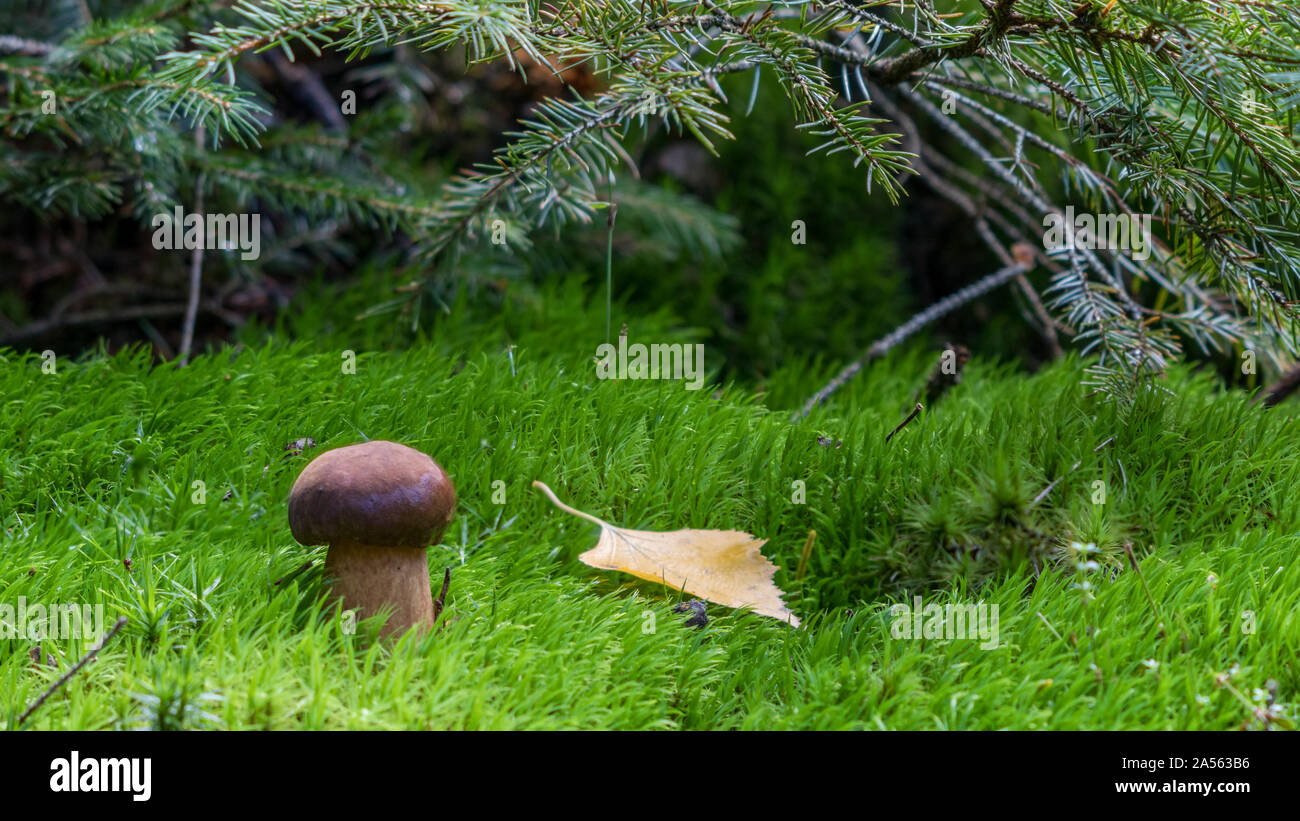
723	566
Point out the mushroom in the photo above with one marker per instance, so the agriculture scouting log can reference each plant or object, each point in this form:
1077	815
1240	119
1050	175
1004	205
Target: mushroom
377	505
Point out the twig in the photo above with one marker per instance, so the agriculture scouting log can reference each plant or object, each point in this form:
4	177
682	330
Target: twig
1022	190
918	321
97	289
992	195
893	70
915	412
1282	388
862	14
993	91
127	314
196	264
442	595
1045	326
53	688
958	197
22	45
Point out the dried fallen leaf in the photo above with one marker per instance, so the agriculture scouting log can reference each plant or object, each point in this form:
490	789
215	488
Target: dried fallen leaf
722	566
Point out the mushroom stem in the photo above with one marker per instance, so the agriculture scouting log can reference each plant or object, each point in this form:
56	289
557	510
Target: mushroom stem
370	579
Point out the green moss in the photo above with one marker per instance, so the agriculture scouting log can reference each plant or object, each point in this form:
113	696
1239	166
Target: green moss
227	630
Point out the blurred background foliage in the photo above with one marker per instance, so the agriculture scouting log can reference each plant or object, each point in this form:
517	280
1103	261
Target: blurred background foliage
708	239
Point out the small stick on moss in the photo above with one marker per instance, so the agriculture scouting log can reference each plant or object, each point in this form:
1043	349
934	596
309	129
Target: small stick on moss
918	321
915	412
53	688
807	551
442	595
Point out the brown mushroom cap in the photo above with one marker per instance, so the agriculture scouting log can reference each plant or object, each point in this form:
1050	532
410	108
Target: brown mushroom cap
375	493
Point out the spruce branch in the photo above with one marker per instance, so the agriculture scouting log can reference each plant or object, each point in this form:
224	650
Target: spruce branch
1186	112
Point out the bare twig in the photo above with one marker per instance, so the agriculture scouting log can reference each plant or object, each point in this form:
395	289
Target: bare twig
1282	388
13	44
1044	319
993	91
63	679
940	185
196	265
918	321
1023	190
916	411
894	70
439	602
126	314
